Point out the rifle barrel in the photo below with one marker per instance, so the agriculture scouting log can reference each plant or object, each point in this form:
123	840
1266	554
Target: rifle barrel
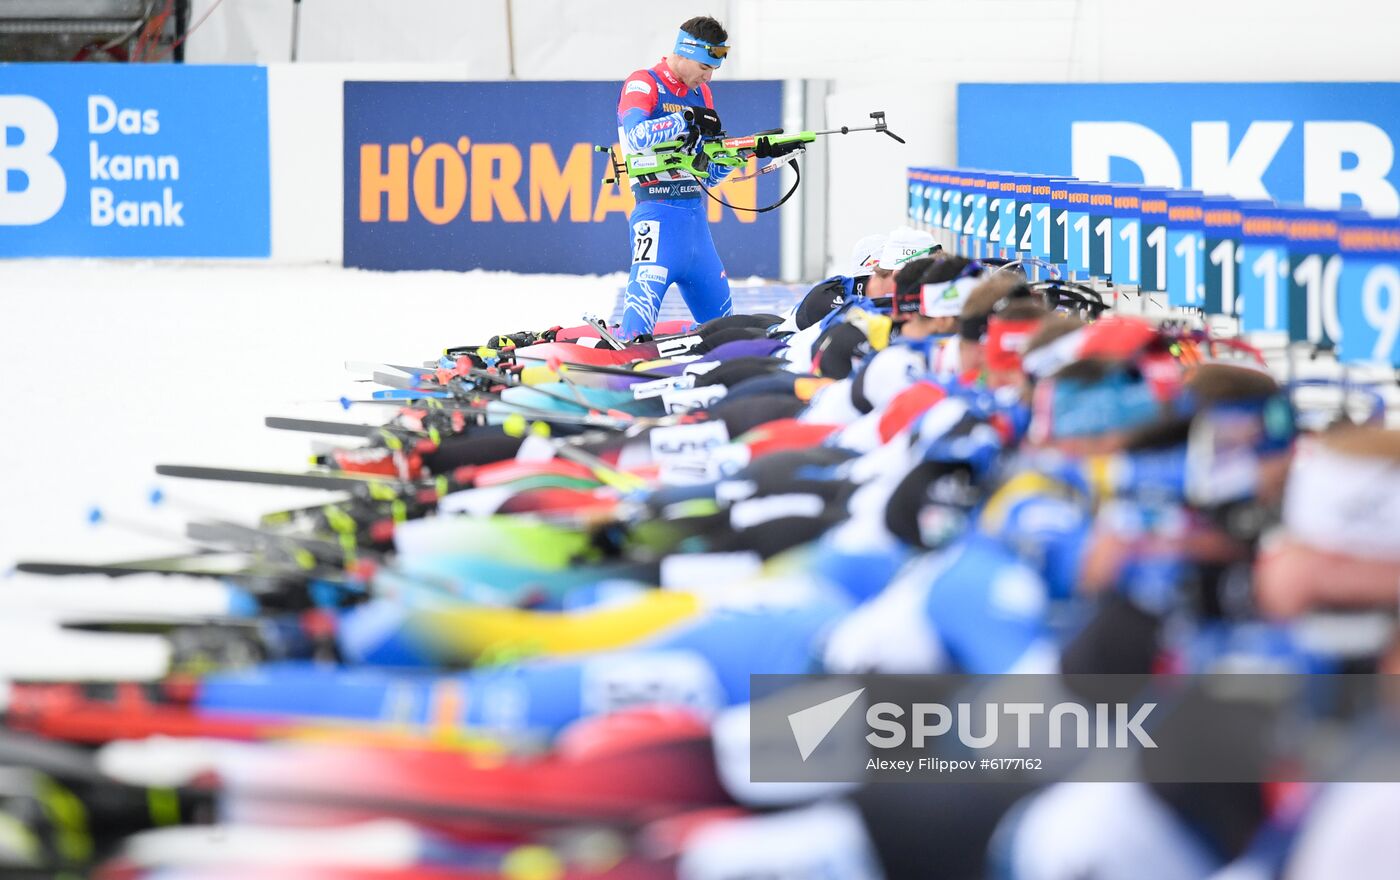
847	129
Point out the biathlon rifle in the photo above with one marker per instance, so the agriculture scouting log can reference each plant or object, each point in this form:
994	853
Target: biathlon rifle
695	156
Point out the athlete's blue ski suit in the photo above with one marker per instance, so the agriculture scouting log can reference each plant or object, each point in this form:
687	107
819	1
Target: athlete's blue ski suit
669	231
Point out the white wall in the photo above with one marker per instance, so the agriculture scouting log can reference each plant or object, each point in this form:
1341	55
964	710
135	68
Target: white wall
468	33
305	116
551	39
856	41
1066	40
867	171
240	32
471	33
586	39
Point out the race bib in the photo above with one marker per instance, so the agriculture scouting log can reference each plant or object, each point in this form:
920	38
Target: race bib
699	572
535	448
646	241
701	368
684	451
681	400
687	441
756	511
670	347
663	678
657	387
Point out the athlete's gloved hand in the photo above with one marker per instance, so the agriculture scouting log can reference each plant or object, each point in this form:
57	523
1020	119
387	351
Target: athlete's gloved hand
700	122
706	121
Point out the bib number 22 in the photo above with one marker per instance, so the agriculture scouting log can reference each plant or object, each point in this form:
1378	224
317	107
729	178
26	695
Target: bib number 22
646	241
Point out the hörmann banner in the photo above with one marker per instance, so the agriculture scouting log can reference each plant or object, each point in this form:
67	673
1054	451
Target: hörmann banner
1327	145
503	175
140	160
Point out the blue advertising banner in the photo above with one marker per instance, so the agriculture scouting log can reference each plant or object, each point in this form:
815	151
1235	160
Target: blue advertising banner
503	175
1329	145
139	160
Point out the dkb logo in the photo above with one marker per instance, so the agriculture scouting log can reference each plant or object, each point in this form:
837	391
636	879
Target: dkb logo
1339	157
32	185
1327	145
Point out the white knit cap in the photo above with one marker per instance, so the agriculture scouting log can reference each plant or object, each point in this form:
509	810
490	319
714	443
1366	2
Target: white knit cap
866	253
901	244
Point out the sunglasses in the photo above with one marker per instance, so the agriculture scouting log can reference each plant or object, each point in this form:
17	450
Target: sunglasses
716	52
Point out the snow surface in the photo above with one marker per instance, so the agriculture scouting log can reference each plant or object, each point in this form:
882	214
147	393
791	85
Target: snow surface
108	368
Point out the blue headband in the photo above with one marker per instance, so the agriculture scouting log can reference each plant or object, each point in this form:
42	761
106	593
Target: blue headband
1228	443
696	49
1118	403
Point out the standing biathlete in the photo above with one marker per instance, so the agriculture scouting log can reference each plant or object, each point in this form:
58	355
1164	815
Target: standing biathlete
669	229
